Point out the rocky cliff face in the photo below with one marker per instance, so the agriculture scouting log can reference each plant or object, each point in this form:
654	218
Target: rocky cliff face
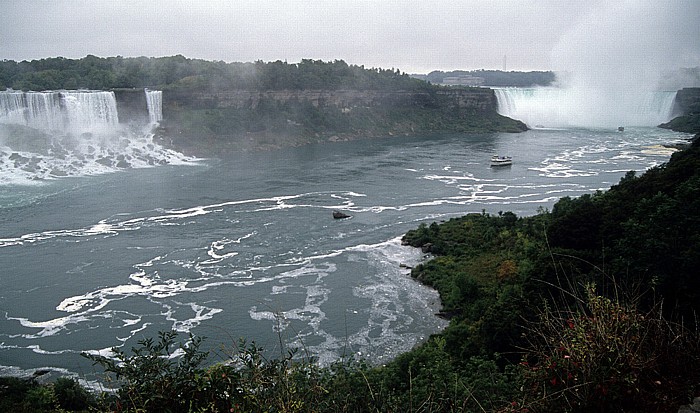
687	111
481	100
132	106
688	101
206	122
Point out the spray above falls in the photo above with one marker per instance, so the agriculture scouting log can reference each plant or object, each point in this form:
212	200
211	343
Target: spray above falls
53	134
610	62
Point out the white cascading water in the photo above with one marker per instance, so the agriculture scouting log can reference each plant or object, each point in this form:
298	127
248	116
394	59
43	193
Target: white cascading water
90	112
12	107
154	100
73	133
44	111
80	111
556	108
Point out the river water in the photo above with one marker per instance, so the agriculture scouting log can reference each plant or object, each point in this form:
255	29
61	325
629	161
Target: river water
247	246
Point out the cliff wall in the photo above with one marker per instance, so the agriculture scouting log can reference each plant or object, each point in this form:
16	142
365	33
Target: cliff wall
688	101
131	105
205	122
481	100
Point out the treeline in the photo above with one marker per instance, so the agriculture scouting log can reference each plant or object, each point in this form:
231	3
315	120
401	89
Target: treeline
93	72
498	77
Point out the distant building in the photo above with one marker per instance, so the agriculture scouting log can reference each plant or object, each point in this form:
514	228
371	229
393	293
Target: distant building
463	80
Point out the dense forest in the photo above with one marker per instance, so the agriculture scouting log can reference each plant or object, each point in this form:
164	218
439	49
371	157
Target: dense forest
179	72
92	72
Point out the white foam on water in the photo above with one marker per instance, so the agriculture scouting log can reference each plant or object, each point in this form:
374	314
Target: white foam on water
201	313
217	246
49	327
452	179
392	293
659	150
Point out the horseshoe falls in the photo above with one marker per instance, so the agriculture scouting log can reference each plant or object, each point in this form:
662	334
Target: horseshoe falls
552	107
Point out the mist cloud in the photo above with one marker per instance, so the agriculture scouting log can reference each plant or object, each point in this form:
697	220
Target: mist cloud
611	61
628	44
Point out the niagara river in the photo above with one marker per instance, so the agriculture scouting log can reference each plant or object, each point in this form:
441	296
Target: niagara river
105	241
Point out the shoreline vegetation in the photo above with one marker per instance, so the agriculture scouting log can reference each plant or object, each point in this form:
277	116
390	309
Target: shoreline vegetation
592	306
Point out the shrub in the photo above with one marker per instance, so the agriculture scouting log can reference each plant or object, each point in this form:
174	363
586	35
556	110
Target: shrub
152	379
71	395
605	355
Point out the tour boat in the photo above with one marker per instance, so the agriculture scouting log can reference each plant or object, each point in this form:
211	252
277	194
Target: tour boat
501	160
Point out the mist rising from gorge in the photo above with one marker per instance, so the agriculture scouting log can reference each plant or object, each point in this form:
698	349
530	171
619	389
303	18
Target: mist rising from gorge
612	60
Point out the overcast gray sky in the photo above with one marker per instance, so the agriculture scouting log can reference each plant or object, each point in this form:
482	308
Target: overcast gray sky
415	36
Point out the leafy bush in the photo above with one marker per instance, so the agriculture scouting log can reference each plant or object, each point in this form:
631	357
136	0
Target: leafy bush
151	379
605	355
71	395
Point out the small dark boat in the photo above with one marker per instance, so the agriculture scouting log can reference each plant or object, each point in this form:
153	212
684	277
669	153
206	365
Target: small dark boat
340	215
621	129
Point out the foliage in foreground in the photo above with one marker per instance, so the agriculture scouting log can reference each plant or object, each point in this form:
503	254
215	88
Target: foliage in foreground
605	355
20	395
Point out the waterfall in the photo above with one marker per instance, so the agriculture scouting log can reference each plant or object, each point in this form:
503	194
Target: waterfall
555	107
77	133
12	107
76	111
154	100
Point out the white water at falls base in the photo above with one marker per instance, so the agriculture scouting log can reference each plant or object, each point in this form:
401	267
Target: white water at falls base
45	135
561	108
